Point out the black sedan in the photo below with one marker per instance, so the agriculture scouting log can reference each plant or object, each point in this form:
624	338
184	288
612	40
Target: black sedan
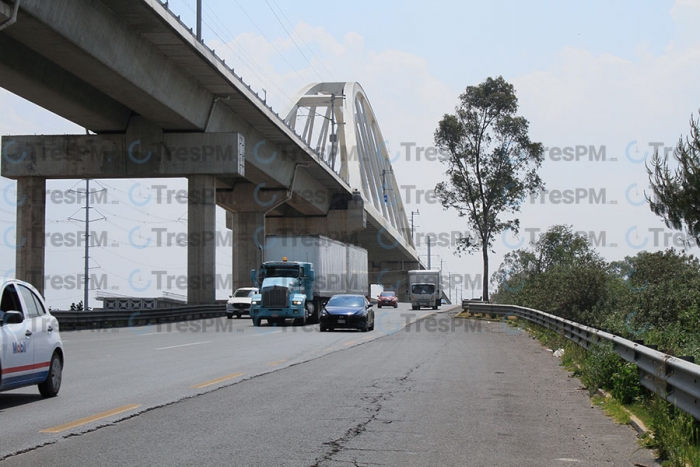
349	312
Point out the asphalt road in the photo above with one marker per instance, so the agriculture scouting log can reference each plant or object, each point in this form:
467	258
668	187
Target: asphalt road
437	392
113	374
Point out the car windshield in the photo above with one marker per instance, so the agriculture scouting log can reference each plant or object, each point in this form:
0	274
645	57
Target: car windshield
346	300
244	293
423	288
388	294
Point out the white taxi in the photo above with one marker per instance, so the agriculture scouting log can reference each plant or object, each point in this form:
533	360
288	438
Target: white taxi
31	351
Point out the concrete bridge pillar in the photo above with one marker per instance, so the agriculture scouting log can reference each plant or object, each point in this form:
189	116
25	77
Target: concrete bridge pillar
201	246
30	234
246	206
248	243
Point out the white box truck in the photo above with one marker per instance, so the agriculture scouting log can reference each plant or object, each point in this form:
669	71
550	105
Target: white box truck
374	291
424	288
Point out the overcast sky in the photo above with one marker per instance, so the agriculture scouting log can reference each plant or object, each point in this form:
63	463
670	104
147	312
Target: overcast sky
608	81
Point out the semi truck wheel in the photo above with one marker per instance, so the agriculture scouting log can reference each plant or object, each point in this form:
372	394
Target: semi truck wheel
314	315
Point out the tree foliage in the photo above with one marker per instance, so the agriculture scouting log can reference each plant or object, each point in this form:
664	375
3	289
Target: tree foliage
491	163
677	192
654	297
561	273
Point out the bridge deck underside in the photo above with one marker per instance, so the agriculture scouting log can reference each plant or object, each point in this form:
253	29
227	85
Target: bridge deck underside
46	57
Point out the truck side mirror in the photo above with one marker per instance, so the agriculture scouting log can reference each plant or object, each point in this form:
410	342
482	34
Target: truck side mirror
253	275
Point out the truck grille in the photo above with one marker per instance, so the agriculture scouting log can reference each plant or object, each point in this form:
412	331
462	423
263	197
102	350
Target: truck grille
276	297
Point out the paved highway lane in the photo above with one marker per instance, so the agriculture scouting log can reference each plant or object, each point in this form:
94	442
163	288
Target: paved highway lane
435	393
114	374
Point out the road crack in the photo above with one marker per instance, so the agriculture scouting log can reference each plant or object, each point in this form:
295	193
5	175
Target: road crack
374	405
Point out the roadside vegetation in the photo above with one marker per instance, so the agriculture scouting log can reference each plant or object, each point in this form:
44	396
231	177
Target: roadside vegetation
652	298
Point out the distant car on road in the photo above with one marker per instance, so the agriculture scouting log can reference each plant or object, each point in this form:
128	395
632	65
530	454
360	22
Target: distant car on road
239	303
31	351
387	298
347	311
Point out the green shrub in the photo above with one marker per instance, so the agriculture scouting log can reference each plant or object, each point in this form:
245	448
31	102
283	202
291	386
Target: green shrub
676	435
625	385
598	368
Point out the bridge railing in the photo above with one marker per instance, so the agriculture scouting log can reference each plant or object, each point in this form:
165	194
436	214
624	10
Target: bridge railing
73	320
672	378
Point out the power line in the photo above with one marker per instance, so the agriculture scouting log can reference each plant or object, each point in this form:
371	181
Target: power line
295	42
271	43
248	60
302	39
260	73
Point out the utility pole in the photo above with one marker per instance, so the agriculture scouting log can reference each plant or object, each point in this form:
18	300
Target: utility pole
87	244
412	237
449	285
86	278
199	20
427	237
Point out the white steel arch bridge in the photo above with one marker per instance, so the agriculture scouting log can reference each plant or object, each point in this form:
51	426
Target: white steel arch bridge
336	120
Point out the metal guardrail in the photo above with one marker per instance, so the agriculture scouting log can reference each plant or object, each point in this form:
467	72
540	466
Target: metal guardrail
674	379
72	320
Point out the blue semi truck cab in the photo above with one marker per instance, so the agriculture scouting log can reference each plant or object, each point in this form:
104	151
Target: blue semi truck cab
286	290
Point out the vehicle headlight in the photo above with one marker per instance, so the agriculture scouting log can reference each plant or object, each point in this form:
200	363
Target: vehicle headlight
296	302
361	312
255	302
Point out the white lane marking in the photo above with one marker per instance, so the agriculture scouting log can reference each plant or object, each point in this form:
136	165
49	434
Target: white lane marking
266	333
182	345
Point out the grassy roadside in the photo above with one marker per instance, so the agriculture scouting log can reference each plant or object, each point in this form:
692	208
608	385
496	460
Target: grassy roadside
673	434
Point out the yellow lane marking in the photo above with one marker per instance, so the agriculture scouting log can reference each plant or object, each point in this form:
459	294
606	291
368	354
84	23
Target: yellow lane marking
349	343
277	362
214	381
93	418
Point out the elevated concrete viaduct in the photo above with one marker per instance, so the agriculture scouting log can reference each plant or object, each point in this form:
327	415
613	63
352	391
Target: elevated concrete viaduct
159	103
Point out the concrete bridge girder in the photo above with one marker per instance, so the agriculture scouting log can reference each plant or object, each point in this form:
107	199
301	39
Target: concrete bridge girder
273	163
5	12
108	54
30	75
117	156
